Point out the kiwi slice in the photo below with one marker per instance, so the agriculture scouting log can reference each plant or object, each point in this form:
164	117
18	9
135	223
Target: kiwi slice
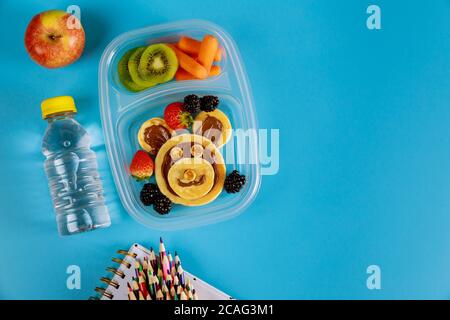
124	74
158	63
133	64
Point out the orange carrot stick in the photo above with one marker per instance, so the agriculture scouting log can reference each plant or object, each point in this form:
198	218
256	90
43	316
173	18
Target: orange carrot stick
192	47
181	75
215	71
208	50
189	64
184	75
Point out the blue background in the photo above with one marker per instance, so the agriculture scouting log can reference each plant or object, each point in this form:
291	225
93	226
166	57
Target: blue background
364	153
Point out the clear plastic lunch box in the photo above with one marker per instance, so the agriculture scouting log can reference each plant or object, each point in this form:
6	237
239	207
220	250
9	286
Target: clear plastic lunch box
123	112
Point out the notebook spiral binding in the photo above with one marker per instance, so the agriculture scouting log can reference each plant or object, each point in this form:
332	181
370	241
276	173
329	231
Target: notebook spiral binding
122	261
126	261
110	282
115	271
126	253
104	293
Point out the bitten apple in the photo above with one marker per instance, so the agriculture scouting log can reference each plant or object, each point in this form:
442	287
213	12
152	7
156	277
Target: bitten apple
54	38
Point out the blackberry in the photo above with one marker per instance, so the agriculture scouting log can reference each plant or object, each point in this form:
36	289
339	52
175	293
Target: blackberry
192	103
149	193
162	205
234	182
209	103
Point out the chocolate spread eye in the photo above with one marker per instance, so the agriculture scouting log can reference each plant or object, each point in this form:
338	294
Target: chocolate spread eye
176	153
197	151
209	155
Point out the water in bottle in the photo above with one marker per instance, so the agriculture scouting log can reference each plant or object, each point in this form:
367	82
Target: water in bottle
71	169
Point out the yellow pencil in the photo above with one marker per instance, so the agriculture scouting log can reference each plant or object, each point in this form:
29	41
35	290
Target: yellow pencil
159	295
183	296
131	295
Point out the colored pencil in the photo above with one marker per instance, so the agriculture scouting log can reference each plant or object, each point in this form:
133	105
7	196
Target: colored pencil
131	295
176	281
177	258
159	295
151	288
180	272
162	249
160	277
135	284
165	266
153	259
169	280
136	268
172	291
169	256
143	286
179	290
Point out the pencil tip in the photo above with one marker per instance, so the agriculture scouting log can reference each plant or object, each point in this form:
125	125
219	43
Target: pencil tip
160	239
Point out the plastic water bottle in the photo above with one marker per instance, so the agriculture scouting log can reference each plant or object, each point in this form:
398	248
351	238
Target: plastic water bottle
71	169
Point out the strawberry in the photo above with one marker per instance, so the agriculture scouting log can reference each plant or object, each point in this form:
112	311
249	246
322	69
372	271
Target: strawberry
177	117
141	166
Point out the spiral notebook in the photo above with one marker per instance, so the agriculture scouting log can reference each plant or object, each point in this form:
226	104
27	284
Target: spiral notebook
117	285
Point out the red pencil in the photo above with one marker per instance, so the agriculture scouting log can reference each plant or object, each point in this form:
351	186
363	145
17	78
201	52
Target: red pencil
143	286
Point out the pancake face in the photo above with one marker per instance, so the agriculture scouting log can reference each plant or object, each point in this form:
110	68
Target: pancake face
190	170
191	178
153	134
213	125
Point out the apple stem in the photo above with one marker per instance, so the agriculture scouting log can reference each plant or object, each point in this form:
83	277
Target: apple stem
53	37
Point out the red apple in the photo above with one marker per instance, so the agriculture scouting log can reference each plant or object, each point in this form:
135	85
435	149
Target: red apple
54	38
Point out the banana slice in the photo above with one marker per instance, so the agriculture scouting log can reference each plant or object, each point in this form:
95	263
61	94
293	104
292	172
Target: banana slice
213	125
176	153
197	151
153	134
191	178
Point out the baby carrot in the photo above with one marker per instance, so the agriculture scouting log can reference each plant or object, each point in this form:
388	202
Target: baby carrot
181	75
215	71
192	47
208	50
189	64
184	75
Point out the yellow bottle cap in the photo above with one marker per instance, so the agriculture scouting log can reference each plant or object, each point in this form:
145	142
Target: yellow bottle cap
57	105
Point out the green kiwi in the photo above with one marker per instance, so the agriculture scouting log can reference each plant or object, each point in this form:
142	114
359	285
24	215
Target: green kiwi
124	74
133	64
158	64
